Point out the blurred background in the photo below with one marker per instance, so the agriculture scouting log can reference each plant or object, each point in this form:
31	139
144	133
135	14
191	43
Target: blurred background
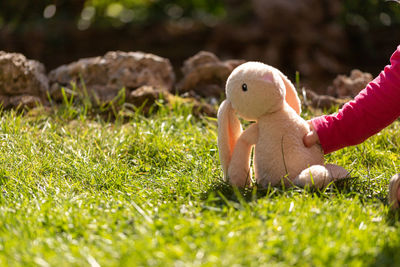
318	38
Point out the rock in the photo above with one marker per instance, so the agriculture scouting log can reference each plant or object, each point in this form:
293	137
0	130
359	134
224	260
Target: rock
20	101
344	88
322	101
201	58
23	82
349	86
28	101
105	76
206	74
201	108
145	96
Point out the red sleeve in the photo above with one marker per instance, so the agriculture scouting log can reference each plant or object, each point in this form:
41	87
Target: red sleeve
374	108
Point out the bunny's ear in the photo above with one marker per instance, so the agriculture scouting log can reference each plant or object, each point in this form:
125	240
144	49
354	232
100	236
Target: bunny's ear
229	130
291	95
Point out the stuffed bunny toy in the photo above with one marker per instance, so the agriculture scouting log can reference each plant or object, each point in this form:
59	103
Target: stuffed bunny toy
258	92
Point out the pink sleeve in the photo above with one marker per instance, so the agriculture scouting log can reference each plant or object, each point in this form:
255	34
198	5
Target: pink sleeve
374	108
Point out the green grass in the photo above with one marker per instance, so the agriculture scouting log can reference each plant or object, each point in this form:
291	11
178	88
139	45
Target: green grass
79	191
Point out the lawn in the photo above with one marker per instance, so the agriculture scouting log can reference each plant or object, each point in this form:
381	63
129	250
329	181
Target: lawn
80	190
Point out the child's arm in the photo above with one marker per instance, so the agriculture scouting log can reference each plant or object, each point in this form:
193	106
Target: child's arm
374	108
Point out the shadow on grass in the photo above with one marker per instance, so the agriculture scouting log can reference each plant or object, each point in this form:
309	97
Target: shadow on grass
223	193
388	256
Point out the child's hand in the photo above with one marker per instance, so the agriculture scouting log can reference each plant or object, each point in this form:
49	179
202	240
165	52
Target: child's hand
311	138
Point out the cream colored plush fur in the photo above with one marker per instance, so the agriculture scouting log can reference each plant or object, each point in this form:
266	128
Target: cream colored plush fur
394	185
261	93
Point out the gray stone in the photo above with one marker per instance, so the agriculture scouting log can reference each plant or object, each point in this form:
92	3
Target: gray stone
342	90
322	101
145	97
349	86
103	77
23	82
206	74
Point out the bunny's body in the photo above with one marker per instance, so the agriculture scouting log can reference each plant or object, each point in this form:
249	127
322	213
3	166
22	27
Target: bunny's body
261	93
290	156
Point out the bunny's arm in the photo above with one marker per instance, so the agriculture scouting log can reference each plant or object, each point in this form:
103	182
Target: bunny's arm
239	173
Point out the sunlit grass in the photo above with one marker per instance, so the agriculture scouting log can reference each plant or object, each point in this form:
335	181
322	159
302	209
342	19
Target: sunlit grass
81	190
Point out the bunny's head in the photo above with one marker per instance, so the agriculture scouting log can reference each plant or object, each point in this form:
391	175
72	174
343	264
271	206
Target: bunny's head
255	89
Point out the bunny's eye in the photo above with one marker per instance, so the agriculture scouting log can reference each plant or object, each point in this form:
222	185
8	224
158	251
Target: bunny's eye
244	87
